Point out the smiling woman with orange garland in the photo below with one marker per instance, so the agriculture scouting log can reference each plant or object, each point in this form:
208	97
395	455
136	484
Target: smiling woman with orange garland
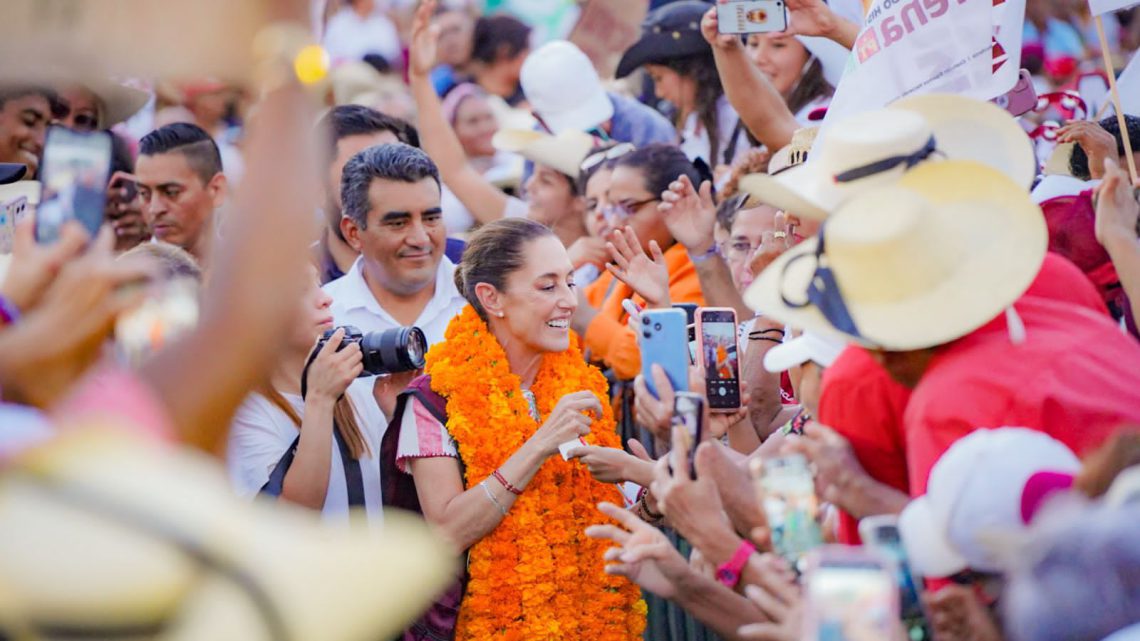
480	435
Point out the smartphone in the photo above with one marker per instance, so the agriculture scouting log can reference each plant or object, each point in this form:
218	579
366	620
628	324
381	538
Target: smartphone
11	211
850	594
690	310
1022	98
787	496
689	421
663	340
75	170
752	16
881	533
719	350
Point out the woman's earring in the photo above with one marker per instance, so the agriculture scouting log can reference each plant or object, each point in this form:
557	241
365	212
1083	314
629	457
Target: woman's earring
502	314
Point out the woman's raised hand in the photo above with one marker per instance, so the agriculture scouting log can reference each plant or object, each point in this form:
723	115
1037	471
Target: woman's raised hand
649	277
568	421
332	371
424	40
690	214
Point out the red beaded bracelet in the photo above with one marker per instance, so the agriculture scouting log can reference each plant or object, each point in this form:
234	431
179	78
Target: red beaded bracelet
510	488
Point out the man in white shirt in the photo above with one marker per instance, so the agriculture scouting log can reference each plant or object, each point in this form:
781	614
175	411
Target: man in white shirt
391	215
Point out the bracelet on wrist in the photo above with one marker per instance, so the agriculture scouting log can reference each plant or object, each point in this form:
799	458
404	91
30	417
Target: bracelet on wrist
9	313
710	253
491	496
643	503
503	481
765	338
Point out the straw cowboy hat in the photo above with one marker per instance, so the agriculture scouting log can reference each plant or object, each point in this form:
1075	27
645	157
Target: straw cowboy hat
874	148
794	153
563	152
911	265
109	533
117	102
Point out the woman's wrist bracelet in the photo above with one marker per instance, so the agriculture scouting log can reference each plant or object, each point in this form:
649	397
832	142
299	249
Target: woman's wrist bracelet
711	252
503	481
491	496
9	313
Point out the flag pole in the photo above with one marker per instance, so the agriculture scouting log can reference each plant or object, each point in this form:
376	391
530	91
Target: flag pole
1116	99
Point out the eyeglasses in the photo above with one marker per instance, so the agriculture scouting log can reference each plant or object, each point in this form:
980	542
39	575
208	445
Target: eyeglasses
613	153
624	210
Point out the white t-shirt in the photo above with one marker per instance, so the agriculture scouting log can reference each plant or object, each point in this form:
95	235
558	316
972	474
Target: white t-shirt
695	138
353	303
261	434
349	37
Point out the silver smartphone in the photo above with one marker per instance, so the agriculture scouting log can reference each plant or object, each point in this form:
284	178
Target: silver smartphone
752	16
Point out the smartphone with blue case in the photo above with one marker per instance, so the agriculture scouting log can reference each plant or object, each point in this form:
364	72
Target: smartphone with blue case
663	337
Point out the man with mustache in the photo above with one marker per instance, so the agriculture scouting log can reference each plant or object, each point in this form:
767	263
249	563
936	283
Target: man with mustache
181	184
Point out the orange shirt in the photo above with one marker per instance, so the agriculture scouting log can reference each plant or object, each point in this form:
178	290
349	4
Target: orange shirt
608	337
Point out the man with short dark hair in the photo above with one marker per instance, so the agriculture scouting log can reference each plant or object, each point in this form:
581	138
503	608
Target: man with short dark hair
1098	141
392	216
351	129
25	113
181	184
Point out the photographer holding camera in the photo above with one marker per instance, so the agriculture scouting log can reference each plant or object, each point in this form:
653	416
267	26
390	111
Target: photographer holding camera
312	434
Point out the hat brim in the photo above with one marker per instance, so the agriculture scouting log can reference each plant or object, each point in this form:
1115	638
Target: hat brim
595	111
1004	230
660	47
1059	161
564	152
803	190
120	102
968	129
928	550
117	530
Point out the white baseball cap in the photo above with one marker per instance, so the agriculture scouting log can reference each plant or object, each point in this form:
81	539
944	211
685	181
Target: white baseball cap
976	493
563	88
809	346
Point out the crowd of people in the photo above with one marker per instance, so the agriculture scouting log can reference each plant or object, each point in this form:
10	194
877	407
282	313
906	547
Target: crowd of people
474	337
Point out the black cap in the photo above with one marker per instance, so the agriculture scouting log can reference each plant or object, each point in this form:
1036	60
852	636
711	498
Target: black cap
668	33
11	172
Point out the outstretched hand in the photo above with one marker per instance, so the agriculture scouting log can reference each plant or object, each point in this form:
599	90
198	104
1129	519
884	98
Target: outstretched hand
424	40
690	215
643	554
1117	209
648	277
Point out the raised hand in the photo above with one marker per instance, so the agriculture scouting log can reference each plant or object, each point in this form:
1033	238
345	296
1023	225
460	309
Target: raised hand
772	245
643	554
690	215
710	29
1097	143
568	421
1117	210
649	277
332	371
811	18
653	413
778	597
424	40
612	465
35	266
588	250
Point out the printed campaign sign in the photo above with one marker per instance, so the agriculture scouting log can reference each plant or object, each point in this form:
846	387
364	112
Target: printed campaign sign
966	47
1099	7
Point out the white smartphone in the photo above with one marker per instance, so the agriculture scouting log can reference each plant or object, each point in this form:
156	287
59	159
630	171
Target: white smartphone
850	594
752	16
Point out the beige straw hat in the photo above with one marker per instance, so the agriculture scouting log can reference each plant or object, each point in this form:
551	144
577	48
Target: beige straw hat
108	532
911	265
875	148
794	153
563	152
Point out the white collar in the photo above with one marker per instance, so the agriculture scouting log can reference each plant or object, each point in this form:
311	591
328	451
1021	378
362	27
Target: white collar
359	296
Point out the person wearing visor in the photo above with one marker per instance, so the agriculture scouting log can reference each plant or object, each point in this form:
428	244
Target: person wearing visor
680	63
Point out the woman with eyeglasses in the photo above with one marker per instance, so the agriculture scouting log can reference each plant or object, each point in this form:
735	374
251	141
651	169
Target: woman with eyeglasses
635	188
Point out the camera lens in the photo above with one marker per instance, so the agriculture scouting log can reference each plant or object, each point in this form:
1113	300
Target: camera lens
657	327
644	320
646	334
393	351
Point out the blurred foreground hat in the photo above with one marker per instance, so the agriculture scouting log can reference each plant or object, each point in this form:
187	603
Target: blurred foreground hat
874	148
668	33
809	346
563	152
794	153
564	89
11	172
911	265
118	102
988	484
113	535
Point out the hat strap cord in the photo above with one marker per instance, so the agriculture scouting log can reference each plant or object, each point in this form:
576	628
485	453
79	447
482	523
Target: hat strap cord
887	164
823	292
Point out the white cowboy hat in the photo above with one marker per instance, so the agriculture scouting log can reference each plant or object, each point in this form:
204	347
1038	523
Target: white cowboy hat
874	148
563	152
118	102
107	531
914	264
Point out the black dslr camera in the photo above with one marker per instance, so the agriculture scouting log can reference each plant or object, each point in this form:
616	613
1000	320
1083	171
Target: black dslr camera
389	352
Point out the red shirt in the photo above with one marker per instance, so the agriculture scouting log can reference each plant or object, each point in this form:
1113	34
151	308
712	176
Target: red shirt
862	402
1076	378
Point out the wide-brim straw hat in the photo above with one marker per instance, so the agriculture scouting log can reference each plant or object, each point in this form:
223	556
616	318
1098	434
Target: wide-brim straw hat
107	532
911	265
564	152
853	155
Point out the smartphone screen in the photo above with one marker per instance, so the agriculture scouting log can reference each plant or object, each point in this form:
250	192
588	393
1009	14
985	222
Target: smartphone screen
721	358
850	597
76	167
882	535
788	498
689	420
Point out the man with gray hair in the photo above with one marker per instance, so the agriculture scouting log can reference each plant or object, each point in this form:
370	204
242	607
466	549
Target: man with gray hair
391	215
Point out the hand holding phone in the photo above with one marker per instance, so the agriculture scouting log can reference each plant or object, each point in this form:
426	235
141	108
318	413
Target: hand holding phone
752	16
719	353
75	170
663	340
881	534
787	496
688	430
851	595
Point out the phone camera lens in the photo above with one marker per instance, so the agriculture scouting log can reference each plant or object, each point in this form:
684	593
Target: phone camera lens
646	334
644	320
657	327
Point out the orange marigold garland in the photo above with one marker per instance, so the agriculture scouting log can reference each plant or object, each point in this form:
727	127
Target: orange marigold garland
536	576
